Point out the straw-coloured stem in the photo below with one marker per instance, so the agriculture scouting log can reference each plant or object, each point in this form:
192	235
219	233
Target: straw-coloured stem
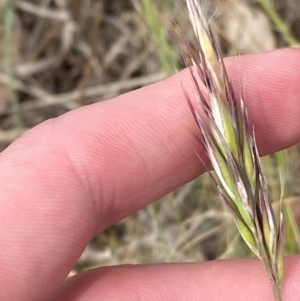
231	146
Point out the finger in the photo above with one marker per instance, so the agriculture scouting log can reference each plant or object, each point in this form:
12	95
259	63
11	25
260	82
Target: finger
272	94
67	179
223	280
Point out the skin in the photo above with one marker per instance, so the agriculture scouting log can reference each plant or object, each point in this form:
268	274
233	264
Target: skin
69	178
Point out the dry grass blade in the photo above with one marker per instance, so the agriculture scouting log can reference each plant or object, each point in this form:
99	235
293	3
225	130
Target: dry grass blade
231	147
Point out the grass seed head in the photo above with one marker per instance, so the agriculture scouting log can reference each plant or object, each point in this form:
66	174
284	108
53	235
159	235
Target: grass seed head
231	147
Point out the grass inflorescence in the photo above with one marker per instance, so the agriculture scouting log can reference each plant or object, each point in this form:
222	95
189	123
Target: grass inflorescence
231	147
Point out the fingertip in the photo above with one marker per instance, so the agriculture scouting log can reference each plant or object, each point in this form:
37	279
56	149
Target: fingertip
270	82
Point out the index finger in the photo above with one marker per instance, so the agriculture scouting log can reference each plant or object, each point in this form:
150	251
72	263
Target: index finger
67	179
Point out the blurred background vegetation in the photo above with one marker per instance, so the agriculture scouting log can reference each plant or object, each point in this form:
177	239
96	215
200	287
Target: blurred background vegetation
58	55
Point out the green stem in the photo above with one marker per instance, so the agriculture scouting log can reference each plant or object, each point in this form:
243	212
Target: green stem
8	18
281	26
277	291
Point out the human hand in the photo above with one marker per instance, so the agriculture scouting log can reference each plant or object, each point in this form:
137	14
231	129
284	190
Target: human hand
69	178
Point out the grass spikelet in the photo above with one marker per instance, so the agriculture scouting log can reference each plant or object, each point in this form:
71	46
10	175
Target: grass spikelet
231	147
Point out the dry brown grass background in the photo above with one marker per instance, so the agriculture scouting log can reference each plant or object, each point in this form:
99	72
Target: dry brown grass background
58	55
